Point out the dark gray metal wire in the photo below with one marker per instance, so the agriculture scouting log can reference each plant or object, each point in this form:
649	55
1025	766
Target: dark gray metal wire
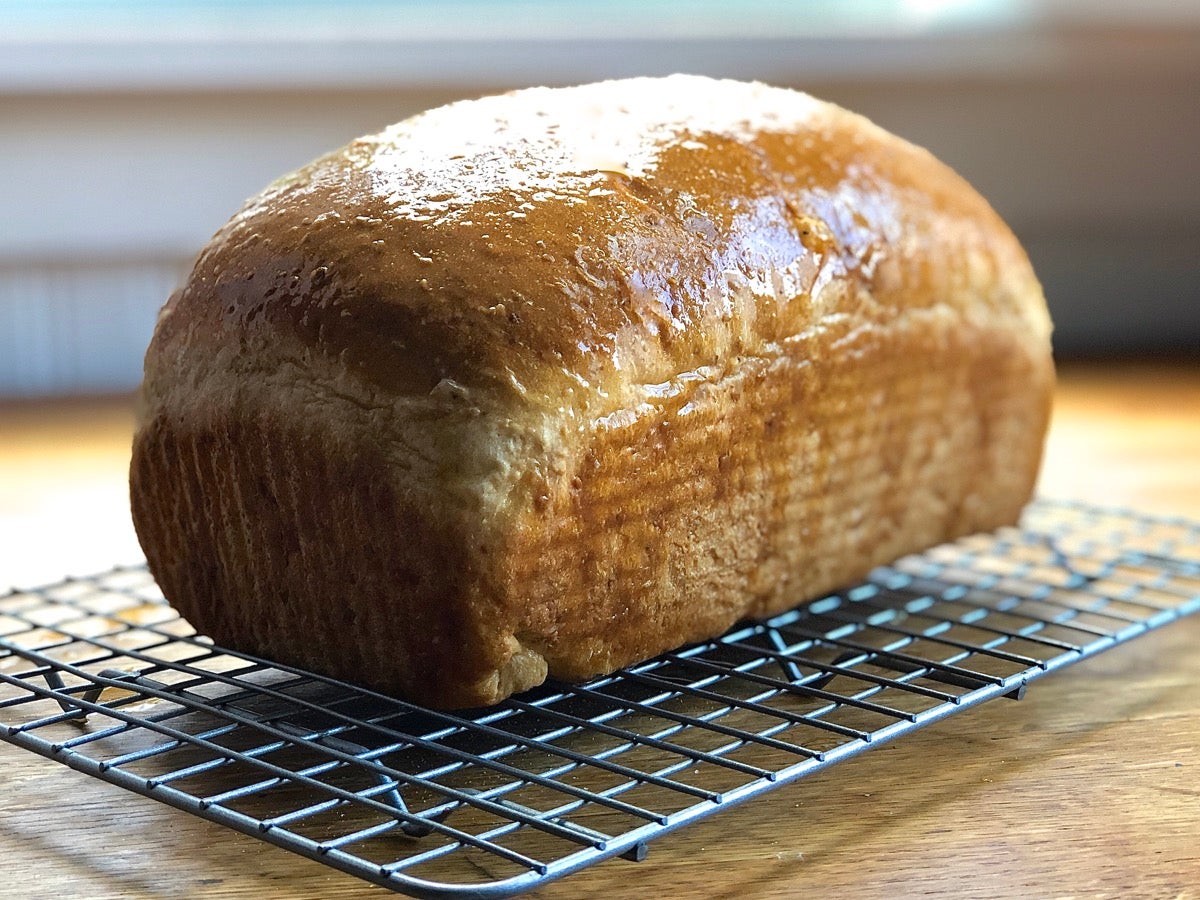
569	775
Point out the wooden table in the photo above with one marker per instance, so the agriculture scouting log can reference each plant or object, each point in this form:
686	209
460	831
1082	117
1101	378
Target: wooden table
1089	787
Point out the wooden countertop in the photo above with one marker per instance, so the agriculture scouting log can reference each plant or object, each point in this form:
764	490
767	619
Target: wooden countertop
1089	787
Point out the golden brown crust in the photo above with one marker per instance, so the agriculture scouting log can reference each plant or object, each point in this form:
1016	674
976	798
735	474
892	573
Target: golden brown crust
615	365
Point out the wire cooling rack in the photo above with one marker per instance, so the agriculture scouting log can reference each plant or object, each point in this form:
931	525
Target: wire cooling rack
99	674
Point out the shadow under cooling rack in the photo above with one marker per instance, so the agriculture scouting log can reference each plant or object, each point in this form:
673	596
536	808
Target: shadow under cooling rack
99	674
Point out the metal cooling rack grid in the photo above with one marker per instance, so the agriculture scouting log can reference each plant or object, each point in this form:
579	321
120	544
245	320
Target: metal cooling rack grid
97	673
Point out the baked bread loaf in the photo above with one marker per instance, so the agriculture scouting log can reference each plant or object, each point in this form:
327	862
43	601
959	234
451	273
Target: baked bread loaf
551	382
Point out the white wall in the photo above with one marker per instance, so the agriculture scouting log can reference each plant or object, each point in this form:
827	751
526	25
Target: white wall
118	159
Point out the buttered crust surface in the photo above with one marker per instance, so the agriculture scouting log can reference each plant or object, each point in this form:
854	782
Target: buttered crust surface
557	380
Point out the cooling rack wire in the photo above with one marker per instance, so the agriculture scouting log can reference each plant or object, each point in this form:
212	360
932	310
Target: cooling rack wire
99	674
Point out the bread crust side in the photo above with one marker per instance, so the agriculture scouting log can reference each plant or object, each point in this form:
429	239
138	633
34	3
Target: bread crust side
733	498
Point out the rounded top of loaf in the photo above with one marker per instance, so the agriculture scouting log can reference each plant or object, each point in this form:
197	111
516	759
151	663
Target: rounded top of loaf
581	248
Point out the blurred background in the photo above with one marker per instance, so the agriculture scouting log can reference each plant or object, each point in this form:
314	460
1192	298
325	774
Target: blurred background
129	131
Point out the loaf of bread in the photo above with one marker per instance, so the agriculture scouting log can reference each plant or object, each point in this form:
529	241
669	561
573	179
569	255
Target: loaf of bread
548	383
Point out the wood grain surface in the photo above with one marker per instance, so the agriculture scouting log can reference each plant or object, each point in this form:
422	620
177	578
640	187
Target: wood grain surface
1089	787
